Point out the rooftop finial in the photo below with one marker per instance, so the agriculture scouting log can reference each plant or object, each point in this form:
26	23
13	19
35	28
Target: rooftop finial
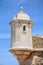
21	9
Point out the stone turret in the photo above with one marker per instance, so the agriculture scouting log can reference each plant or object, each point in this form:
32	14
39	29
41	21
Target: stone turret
21	36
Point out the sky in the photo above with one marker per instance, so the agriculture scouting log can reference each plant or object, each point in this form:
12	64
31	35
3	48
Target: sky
8	9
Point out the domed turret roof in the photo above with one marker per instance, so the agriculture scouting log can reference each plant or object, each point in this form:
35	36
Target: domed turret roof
21	15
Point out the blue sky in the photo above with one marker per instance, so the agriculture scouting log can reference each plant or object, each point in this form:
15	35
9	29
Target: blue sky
8	9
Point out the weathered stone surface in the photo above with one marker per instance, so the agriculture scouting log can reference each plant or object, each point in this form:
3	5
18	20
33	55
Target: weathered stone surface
37	42
36	58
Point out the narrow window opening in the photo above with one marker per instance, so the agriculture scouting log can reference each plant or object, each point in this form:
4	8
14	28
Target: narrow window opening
16	16
24	28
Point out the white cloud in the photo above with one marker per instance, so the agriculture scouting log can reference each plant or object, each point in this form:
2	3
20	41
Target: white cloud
3	36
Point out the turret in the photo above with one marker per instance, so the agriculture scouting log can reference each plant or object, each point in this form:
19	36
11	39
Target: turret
21	36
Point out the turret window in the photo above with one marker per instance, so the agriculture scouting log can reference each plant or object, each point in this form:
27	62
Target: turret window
24	28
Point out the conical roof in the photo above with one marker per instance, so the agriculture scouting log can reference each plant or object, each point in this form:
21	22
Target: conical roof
21	15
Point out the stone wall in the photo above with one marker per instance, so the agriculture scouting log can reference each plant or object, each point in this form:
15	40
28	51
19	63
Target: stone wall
37	42
35	59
